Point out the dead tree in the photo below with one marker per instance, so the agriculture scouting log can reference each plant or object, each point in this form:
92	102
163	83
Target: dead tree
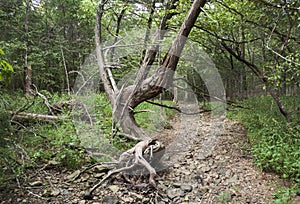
145	87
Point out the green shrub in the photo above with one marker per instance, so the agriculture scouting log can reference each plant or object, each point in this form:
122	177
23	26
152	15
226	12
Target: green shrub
275	143
283	195
30	143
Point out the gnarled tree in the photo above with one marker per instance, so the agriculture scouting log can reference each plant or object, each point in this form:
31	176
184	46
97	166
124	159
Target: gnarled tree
145	87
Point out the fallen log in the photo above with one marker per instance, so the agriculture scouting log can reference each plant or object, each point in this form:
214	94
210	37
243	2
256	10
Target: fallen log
35	116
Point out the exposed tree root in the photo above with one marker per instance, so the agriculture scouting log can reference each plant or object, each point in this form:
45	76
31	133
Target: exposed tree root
130	159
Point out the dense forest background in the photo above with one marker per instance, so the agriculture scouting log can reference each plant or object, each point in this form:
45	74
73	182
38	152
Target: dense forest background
254	44
48	35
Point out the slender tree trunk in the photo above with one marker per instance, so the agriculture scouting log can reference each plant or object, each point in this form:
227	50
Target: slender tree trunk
119	19
27	80
27	68
242	73
66	72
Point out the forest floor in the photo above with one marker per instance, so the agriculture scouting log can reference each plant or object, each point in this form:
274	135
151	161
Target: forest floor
224	175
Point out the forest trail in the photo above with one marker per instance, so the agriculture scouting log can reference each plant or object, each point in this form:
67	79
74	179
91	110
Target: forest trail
225	175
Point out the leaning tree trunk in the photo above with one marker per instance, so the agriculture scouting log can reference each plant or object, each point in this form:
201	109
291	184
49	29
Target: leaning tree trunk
125	100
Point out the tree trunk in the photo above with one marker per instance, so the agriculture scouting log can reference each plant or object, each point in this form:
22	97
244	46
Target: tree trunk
125	100
27	80
242	73
27	68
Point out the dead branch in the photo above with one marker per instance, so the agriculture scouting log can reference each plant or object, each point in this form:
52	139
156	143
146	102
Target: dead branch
34	116
177	109
128	136
143	111
49	106
71	104
66	71
89	195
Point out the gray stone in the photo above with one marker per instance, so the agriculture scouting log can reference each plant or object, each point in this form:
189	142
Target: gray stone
205	169
232	180
64	192
127	199
186	187
174	192
55	192
36	183
177	185
82	202
114	188
73	175
110	200
99	175
100	168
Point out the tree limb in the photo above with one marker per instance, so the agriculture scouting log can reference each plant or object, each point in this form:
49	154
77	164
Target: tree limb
34	116
100	60
176	108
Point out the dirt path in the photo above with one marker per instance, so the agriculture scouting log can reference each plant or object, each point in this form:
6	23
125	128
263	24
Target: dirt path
226	174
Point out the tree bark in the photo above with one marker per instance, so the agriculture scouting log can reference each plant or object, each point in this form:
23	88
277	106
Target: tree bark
163	77
125	100
27	68
33	116
27	80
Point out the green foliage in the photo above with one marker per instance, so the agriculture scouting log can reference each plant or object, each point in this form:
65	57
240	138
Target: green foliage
283	195
28	144
150	117
153	118
252	30
223	197
275	143
6	69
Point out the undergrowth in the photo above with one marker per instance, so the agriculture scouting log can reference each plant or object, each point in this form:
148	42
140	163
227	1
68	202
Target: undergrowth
30	144
275	143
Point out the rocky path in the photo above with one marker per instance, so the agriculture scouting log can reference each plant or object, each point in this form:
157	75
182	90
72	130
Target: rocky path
226	174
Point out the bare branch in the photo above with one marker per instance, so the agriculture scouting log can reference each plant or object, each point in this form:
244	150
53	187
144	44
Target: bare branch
66	71
100	60
276	53
135	153
176	108
41	117
49	106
